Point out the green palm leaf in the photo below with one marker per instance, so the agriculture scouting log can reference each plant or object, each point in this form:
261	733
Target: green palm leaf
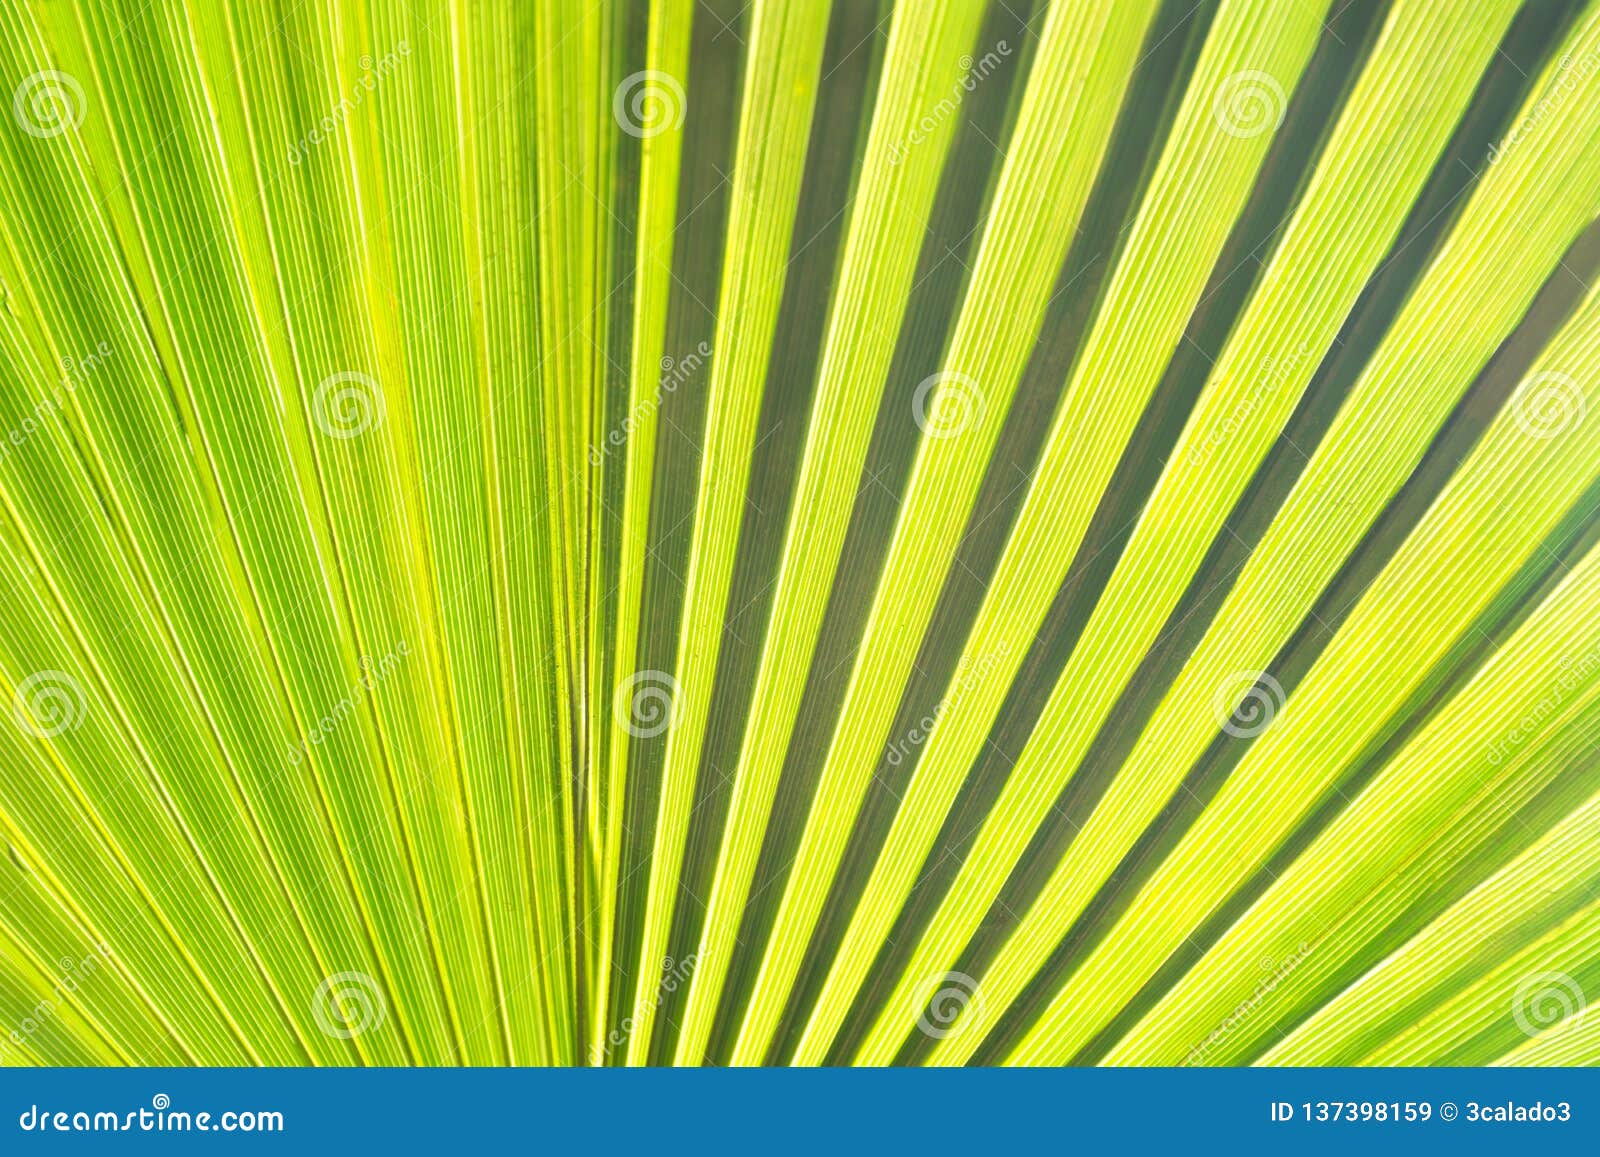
701	532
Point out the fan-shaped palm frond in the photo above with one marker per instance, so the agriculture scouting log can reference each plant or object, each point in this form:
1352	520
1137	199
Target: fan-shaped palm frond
941	531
